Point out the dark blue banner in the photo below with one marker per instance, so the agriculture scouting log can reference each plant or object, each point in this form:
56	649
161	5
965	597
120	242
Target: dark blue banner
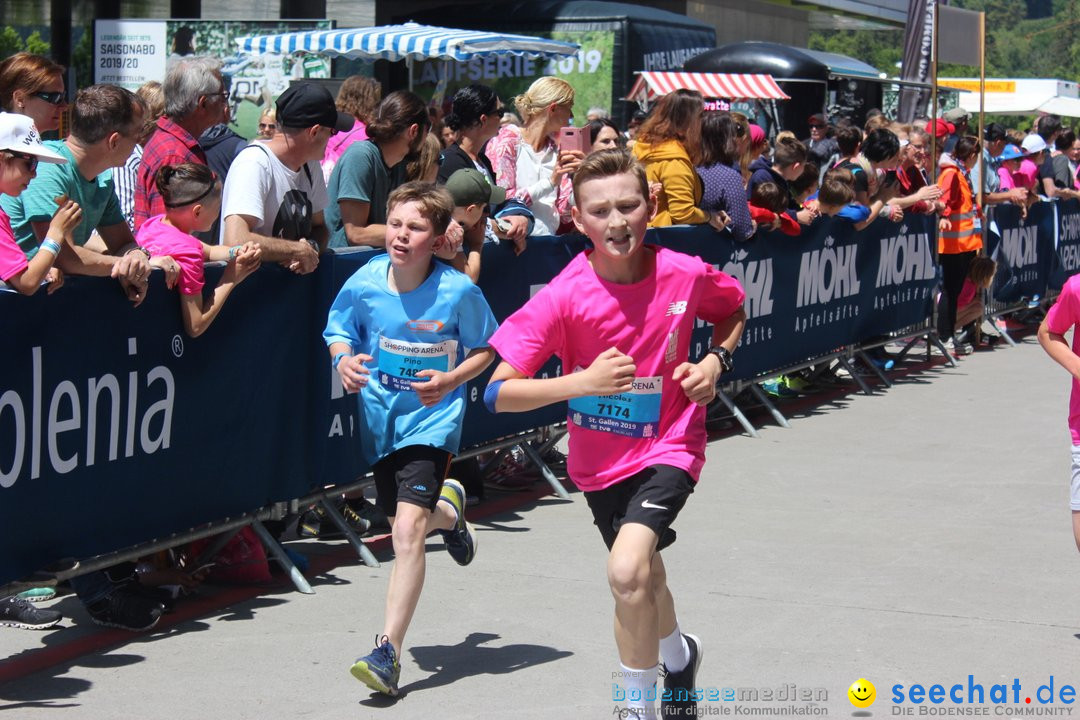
119	428
1023	248
831	286
1067	258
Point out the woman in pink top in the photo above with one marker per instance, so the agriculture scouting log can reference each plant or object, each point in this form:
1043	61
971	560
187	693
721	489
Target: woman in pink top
20	152
529	164
358	96
192	195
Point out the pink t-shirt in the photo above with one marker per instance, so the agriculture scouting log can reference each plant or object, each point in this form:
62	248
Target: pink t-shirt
163	239
1006	178
12	258
338	144
1027	174
578	316
1065	315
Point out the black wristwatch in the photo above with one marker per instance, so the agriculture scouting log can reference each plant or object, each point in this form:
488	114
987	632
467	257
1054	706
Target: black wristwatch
724	355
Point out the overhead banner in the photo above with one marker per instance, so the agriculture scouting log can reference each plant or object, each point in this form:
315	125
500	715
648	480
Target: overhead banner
958	36
918	43
130	53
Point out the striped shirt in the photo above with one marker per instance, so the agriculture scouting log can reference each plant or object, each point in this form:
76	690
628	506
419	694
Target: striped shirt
124	178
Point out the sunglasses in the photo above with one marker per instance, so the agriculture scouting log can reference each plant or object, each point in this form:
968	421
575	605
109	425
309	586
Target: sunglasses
267	126
31	160
53	98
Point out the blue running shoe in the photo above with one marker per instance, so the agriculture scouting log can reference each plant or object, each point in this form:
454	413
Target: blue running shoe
379	670
678	698
461	540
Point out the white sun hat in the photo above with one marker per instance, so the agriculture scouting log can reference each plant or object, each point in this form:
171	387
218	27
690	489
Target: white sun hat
18	135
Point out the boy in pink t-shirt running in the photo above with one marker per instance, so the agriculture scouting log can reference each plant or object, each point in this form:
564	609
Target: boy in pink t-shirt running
1065	315
620	317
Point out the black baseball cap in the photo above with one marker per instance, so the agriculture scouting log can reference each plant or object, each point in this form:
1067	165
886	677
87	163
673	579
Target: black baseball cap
305	104
817	119
993	132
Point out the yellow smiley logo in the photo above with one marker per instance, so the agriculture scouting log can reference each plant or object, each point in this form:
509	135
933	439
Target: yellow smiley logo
862	693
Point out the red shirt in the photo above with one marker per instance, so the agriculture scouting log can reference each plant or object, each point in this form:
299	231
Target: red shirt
169	145
911	181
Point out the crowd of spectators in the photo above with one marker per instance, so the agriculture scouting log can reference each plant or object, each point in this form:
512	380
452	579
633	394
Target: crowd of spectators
159	179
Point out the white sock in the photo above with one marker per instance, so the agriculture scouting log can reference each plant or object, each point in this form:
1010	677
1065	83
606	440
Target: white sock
639	691
674	651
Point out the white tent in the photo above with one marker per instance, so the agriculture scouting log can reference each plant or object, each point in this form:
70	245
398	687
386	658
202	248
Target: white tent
1018	96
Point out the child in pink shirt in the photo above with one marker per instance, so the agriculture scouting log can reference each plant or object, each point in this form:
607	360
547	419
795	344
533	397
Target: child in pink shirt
1065	314
20	152
192	195
636	405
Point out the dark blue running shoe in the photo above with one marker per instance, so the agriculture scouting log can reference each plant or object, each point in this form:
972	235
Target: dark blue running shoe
380	670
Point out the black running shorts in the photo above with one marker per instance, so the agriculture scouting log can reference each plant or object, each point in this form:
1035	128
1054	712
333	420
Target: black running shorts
413	474
652	497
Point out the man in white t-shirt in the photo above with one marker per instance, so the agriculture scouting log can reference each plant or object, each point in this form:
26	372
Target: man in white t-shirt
275	193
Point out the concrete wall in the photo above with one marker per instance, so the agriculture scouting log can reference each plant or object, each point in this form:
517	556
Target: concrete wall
738	20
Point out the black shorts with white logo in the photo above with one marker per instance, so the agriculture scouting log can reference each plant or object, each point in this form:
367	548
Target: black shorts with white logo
413	474
652	497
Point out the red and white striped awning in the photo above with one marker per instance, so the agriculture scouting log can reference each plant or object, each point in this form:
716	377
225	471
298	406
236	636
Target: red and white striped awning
731	86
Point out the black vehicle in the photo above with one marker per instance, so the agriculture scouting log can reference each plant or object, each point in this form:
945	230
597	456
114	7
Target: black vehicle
818	82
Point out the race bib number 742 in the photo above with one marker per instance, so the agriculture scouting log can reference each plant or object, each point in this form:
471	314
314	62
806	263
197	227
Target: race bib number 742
400	361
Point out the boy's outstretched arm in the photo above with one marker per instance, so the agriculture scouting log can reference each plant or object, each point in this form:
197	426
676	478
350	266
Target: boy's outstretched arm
1057	348
437	385
511	391
698	380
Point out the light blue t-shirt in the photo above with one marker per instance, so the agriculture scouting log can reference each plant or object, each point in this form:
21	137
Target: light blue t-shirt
431	327
97	198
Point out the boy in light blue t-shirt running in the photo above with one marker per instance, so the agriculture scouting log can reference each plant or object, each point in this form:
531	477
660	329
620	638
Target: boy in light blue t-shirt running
407	332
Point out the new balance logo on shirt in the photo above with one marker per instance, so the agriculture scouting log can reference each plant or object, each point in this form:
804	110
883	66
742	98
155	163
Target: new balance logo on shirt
676	308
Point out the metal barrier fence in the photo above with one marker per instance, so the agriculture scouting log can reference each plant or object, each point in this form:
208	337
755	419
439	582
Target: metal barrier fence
135	437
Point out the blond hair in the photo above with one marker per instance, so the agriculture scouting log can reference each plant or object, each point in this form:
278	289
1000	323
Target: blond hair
542	93
420	166
153	96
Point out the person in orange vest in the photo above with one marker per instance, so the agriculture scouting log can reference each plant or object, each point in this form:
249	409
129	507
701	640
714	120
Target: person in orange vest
959	236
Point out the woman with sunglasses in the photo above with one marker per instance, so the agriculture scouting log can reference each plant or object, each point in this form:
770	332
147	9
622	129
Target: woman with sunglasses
33	85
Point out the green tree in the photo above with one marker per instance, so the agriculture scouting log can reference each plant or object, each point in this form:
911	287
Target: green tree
11	42
35	44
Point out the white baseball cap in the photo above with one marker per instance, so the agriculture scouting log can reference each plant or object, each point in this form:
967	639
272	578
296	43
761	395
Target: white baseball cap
1033	143
18	134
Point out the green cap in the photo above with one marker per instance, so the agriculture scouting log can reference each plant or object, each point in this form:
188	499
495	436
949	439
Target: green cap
470	187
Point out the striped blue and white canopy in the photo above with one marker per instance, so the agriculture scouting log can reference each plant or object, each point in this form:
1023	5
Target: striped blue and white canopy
399	42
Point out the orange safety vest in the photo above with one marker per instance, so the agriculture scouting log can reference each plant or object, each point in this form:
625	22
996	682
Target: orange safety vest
963	235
